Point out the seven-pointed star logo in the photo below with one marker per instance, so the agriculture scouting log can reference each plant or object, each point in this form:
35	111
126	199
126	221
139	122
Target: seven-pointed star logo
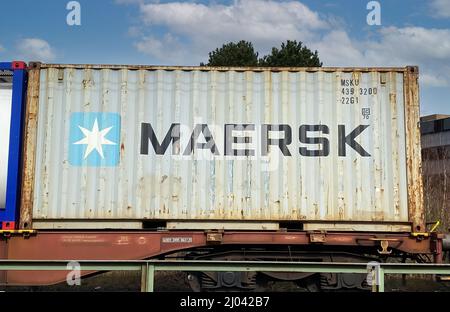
94	139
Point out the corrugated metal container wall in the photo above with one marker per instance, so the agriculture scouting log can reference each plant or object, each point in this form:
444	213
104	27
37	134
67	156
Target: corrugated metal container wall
93	126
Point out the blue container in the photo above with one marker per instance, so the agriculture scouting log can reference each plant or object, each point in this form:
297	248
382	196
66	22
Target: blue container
10	212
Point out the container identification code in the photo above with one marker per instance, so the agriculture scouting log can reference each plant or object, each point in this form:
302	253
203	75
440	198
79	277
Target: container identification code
176	240
351	91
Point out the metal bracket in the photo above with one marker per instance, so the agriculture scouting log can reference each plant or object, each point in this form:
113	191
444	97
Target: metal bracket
384	248
317	237
18	65
7	225
9	233
420	235
384	243
214	237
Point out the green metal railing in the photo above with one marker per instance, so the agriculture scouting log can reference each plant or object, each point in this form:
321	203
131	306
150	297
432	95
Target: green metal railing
148	268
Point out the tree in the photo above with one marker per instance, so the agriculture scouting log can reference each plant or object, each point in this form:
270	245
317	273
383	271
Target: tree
292	53
233	54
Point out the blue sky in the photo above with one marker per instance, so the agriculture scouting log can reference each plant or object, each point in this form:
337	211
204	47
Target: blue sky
412	32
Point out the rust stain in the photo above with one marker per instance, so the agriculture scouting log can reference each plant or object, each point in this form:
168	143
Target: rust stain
29	149
393	100
228	68
87	83
413	150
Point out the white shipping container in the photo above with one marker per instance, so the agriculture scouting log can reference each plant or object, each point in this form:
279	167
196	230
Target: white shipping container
330	148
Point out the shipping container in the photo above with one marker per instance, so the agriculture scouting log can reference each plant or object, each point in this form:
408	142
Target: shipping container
222	148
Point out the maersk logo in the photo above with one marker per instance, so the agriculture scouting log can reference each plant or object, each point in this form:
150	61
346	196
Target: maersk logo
94	139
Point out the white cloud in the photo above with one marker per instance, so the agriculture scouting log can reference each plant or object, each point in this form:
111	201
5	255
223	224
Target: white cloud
434	80
35	49
336	48
394	46
254	17
135	31
415	44
194	29
2	48
208	26
440	8
427	48
167	49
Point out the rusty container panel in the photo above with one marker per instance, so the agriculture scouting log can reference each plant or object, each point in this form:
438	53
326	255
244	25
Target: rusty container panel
190	144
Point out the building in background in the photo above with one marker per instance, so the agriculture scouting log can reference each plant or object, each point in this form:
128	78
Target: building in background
435	131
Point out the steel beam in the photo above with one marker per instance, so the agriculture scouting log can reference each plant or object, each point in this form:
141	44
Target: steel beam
149	267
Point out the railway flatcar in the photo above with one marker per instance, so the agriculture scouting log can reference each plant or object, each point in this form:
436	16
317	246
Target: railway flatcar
212	163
